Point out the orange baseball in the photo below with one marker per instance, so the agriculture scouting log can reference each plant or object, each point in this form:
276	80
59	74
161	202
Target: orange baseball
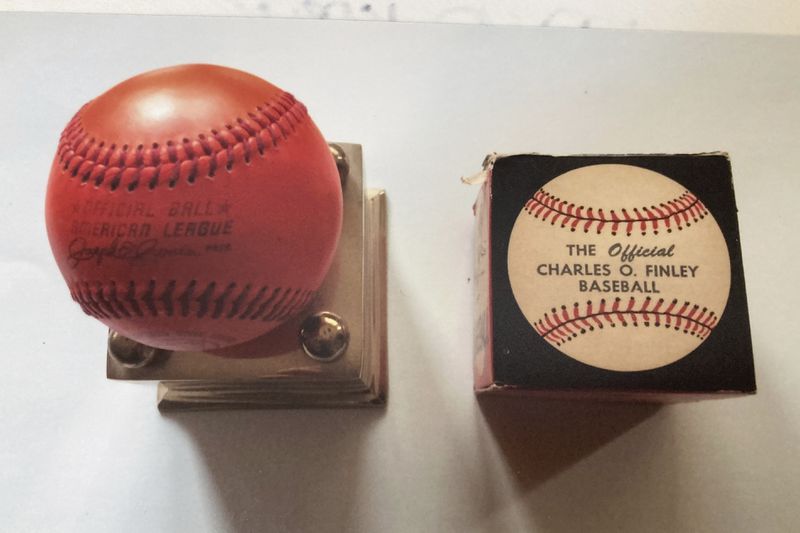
193	207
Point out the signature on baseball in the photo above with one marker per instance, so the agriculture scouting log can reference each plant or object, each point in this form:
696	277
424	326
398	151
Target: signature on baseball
80	250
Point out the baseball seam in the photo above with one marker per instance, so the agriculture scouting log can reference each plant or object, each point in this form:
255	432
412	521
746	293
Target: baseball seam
675	213
562	325
88	159
214	300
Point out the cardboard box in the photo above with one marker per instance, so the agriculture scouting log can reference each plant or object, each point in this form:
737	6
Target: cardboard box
610	277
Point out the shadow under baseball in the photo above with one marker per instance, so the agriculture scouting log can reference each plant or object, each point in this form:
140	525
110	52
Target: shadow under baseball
283	470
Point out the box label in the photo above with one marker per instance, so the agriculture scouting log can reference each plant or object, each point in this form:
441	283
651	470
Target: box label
619	267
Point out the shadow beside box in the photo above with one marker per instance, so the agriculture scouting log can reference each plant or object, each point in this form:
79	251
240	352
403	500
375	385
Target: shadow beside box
331	355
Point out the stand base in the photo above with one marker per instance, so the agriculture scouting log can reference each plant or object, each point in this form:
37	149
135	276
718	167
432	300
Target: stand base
277	370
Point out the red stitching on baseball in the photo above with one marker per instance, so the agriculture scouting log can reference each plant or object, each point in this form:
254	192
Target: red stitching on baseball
92	160
562	325
153	299
676	213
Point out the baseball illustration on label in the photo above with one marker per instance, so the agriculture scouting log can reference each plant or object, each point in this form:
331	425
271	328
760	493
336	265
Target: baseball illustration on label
193	207
619	267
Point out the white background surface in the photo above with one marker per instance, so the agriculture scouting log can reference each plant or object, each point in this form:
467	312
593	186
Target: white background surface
79	453
745	16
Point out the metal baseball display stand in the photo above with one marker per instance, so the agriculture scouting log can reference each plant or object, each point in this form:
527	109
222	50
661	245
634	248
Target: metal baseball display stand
332	355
